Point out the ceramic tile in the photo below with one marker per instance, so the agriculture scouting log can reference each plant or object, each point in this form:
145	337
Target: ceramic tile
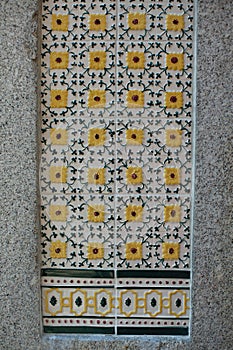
97	20
95	160
58	231
58	98
79	302
153	164
175	20
116	166
155	20
96	77
153	303
149	83
59	21
156	308
59	58
173	60
155	238
137	20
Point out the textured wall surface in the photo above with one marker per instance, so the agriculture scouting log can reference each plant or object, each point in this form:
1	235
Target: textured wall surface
19	291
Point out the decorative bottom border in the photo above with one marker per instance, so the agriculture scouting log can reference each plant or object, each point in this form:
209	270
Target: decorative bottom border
102	304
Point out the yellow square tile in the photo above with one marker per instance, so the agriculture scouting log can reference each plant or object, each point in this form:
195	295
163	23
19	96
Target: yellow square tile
58	250
175	61
60	22
97	60
58	98
135	99
97	99
173	138
133	251
59	136
97	22
136	60
134	136
175	22
95	250
137	21
58	212
96	137
174	99
96	213
170	251
172	213
134	213
134	175
59	60
58	174
96	176
172	176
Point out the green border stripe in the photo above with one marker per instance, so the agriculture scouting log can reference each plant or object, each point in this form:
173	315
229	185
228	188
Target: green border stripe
169	331
80	329
110	273
153	274
78	273
153	331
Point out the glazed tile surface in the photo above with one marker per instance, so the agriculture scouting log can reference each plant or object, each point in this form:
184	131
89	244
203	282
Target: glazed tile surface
116	166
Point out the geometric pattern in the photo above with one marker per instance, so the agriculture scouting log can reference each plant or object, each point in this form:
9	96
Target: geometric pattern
116	166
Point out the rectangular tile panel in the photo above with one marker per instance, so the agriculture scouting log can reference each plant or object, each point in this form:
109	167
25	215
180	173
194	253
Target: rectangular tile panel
116	166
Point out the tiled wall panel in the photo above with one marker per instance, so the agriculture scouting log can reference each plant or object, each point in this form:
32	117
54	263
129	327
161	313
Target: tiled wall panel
116	166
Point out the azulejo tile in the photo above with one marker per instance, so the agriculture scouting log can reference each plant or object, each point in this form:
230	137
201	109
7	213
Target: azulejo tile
175	20
96	77
59	58
97	20
136	60
95	159
146	307
116	166
137	20
174	60
59	21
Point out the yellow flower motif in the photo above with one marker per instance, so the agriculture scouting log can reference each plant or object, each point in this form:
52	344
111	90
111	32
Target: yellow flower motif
96	176
96	137
133	251
137	21
174	99
95	213
58	174
135	99
58	212
58	250
134	136
134	213
97	59
136	60
59	60
59	136
175	22
58	98
172	176
173	138
95	250
134	175
60	22
170	251
172	213
97	99
175	61
97	22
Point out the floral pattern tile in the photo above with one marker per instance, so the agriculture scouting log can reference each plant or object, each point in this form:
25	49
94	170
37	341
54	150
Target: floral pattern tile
116	166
